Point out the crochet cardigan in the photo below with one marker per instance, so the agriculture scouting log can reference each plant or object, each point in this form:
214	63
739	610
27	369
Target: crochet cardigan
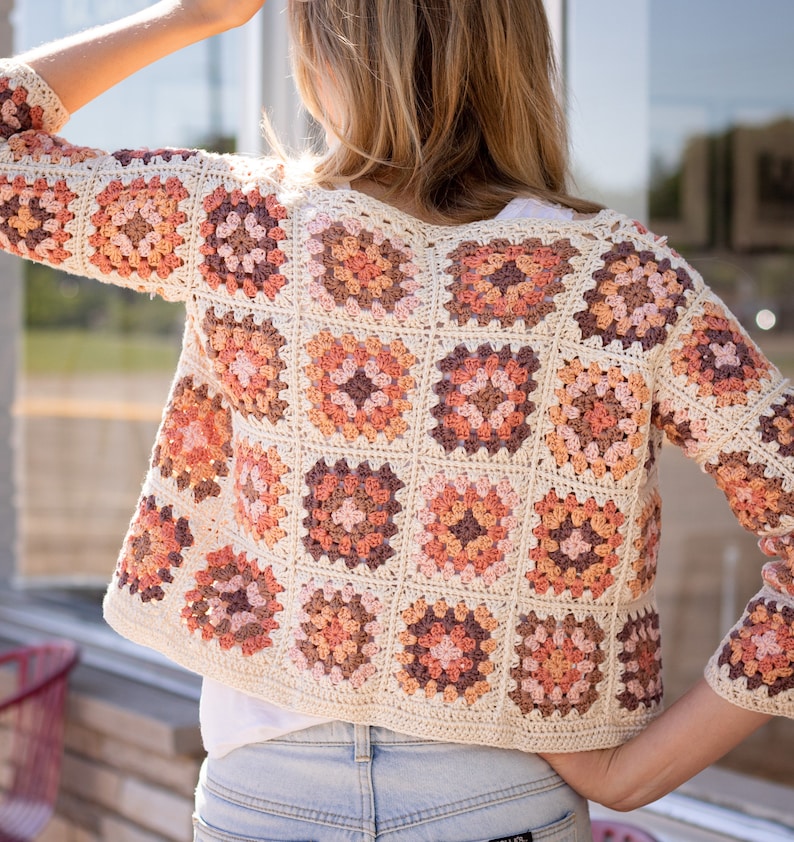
406	474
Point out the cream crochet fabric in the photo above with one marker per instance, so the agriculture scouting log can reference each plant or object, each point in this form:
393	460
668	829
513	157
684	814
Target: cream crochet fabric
407	473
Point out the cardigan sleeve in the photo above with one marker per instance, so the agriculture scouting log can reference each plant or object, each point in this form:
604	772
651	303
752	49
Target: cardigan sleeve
156	221
727	406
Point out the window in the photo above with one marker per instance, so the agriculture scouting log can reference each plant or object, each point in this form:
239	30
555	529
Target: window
96	361
683	116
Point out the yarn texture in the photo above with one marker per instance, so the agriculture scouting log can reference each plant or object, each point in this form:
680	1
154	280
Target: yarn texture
406	475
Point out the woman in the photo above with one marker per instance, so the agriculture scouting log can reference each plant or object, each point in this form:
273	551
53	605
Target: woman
402	504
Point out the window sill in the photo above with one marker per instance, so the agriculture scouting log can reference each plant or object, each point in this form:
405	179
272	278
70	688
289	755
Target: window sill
27	616
715	806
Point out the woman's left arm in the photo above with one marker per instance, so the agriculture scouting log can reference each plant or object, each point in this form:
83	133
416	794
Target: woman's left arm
693	733
730	410
60	204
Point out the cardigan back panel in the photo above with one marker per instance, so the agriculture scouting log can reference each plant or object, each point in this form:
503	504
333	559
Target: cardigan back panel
406	475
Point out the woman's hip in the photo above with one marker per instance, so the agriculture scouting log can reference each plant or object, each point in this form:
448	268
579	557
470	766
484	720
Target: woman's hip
343	783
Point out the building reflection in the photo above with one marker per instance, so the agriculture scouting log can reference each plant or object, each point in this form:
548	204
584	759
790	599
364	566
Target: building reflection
728	206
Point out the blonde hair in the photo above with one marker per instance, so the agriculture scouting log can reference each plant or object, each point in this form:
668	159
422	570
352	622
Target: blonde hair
450	103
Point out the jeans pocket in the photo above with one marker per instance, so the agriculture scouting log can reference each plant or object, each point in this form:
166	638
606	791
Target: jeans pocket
563	830
202	832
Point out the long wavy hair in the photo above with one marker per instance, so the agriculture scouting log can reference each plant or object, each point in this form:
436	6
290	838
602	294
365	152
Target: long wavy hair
451	104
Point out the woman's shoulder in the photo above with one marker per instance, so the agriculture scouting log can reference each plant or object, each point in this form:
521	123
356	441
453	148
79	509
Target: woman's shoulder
612	234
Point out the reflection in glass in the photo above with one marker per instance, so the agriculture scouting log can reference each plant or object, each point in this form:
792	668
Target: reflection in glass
705	88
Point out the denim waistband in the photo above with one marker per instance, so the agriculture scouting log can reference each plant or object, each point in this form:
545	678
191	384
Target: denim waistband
345	733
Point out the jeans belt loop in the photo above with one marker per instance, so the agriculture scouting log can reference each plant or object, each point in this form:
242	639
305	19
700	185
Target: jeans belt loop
362	743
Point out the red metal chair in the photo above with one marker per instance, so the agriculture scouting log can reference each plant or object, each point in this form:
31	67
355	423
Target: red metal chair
607	831
31	727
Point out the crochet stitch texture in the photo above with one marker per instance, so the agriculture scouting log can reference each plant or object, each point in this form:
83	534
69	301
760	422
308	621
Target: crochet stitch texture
407	473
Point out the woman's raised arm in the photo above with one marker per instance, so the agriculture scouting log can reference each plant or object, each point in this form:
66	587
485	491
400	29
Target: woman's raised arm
83	66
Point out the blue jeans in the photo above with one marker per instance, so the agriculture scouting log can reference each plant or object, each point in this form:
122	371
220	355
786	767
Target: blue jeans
352	783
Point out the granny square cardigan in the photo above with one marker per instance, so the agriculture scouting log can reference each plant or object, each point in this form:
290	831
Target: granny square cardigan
406	474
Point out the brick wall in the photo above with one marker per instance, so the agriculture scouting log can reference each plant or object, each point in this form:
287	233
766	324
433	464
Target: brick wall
131	762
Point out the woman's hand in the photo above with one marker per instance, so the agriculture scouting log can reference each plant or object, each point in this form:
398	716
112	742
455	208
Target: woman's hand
697	730
83	66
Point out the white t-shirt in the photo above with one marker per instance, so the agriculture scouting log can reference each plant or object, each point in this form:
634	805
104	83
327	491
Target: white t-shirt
230	718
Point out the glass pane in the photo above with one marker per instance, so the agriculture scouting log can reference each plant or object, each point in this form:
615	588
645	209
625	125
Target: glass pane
98	360
701	95
606	69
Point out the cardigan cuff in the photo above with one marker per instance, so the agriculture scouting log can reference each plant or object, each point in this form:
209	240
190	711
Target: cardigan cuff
754	665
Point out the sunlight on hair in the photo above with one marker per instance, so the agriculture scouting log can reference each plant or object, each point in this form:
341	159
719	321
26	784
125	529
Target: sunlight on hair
451	105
